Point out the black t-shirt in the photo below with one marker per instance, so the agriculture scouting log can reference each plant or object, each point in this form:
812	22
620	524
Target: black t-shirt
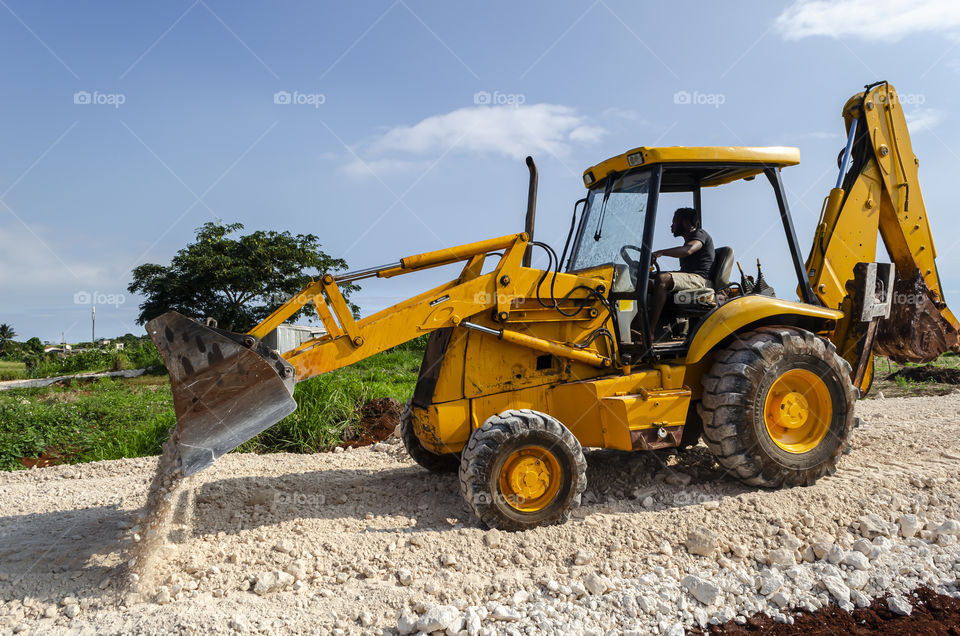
701	261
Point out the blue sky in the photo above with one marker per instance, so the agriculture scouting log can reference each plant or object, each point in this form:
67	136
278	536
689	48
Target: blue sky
383	150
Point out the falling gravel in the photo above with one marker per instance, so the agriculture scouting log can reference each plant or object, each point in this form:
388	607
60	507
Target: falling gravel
149	536
364	541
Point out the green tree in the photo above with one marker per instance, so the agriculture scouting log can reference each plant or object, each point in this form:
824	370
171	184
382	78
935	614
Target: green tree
6	335
33	346
238	280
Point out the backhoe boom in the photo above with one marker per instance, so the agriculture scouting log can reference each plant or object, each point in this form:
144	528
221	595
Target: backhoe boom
881	193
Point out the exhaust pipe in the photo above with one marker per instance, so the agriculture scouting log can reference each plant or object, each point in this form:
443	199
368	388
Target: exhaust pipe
531	208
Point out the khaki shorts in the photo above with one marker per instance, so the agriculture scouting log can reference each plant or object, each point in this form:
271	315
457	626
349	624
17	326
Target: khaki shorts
683	281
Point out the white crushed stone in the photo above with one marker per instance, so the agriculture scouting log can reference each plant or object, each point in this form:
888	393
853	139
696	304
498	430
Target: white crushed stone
365	541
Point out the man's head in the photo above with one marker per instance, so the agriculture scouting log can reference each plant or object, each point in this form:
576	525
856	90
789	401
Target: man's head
684	221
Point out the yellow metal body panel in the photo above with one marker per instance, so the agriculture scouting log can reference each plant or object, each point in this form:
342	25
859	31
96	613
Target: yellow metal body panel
648	409
741	312
780	156
600	412
444	428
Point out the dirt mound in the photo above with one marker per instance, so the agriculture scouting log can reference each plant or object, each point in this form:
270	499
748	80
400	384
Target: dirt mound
378	419
931	613
928	373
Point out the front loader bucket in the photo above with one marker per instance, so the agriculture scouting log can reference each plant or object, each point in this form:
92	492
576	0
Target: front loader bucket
226	387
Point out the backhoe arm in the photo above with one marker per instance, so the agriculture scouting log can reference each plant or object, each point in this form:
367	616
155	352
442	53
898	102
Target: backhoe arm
881	193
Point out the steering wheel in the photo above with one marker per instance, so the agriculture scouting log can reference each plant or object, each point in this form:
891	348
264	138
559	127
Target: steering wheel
629	261
633	266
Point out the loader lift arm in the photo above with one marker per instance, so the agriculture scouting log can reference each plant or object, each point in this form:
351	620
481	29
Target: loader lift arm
881	192
449	305
229	387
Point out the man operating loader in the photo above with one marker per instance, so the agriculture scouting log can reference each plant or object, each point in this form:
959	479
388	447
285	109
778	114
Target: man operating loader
696	260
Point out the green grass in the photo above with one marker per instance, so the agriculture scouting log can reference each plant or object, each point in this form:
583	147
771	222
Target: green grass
116	418
92	361
327	405
10	370
105	419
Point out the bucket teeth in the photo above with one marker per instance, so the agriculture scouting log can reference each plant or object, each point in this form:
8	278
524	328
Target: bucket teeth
226	387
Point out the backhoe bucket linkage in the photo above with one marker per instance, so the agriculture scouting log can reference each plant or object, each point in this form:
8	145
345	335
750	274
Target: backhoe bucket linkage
227	387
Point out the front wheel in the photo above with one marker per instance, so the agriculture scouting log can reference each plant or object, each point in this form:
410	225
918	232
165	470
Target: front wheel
522	469
777	407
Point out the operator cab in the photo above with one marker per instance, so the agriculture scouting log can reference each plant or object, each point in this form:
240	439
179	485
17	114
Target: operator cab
633	194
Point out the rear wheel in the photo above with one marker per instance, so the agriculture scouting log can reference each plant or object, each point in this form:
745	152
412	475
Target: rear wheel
522	469
429	460
777	407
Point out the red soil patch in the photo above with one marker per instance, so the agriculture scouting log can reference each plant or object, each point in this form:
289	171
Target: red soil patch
49	457
378	419
932	614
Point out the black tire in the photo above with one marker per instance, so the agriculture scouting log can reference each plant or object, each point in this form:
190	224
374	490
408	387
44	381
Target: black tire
734	400
429	460
693	428
500	437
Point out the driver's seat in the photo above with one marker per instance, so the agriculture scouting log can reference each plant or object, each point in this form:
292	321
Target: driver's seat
719	279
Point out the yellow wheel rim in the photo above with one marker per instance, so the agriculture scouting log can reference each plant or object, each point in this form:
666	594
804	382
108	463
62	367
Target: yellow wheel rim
530	479
798	411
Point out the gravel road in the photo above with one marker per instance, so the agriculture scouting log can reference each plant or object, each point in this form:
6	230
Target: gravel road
364	541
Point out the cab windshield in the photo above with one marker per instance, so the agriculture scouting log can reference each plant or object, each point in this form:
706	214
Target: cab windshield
614	218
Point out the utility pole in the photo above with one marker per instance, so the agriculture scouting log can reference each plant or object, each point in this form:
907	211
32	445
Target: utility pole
93	326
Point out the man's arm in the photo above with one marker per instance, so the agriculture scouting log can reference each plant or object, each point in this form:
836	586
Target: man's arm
682	251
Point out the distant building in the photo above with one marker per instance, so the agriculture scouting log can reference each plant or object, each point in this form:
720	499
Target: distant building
287	337
53	348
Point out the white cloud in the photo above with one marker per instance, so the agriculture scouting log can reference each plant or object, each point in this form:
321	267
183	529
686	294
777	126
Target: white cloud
587	134
921	119
878	20
509	131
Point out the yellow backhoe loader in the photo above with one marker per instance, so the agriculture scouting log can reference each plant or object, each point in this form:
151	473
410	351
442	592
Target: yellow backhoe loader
525	367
